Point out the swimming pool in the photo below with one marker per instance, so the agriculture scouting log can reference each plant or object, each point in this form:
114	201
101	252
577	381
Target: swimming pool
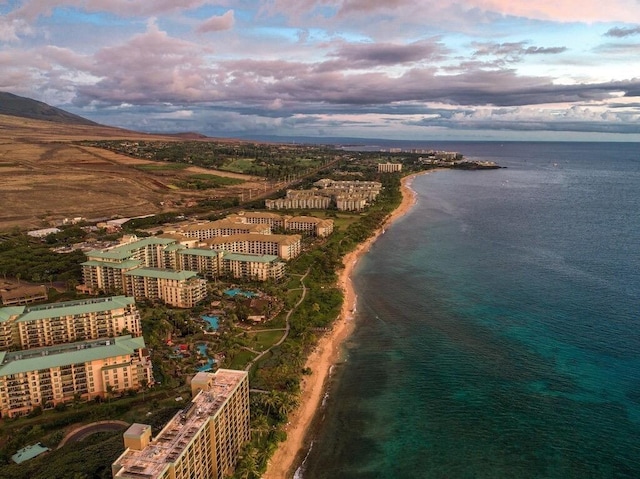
212	321
237	291
202	349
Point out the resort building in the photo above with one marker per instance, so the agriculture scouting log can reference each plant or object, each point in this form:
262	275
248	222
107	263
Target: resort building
344	195
274	220
389	167
311	225
299	199
44	377
26	327
367	189
308	224
256	267
144	269
225	227
166	267
202	441
104	269
348	202
208	262
285	246
182	289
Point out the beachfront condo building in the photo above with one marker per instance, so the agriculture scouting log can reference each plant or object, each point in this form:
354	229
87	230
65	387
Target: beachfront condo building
286	247
182	289
389	167
350	202
310	225
274	220
203	440
225	227
27	327
320	227
256	267
344	195
45	377
166	267
300	200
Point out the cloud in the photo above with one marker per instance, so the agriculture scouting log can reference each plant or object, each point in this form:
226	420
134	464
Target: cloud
31	10
372	55
217	23
621	32
150	67
513	51
419	11
11	29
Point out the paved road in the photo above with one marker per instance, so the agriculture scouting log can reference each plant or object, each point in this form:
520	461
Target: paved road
84	432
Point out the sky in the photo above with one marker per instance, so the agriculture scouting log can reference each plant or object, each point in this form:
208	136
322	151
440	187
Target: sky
558	70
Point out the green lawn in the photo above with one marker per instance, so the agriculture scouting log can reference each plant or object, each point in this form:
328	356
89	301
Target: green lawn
241	165
241	359
262	340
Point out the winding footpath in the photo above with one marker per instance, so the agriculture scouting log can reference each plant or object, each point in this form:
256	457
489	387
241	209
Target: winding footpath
287	325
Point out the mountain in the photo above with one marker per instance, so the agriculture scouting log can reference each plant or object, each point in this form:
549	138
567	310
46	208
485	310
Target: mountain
14	105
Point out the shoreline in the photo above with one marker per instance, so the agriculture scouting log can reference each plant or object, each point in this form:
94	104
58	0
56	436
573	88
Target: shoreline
327	352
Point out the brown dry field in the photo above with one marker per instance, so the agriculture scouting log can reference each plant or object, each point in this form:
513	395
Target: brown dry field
44	178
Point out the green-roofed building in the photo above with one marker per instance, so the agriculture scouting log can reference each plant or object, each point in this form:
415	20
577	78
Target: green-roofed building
257	267
104	268
208	262
26	327
159	268
29	452
182	289
44	377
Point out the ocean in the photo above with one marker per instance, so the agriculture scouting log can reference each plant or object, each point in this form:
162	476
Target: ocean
498	326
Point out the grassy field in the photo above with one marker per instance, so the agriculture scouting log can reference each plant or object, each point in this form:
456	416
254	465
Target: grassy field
241	165
261	340
47	177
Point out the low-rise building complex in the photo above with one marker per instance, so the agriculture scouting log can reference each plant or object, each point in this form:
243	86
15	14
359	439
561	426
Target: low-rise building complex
344	195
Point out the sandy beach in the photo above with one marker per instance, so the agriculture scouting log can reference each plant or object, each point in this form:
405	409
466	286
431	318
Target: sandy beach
327	353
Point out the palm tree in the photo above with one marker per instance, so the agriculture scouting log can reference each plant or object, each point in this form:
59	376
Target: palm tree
247	467
260	425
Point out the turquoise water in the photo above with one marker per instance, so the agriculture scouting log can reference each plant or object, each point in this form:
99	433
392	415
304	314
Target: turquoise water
236	291
202	349
498	330
212	321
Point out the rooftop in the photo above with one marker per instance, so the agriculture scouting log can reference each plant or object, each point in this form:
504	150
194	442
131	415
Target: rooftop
200	252
170	443
28	452
249	257
161	273
124	251
68	308
280	239
64	354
